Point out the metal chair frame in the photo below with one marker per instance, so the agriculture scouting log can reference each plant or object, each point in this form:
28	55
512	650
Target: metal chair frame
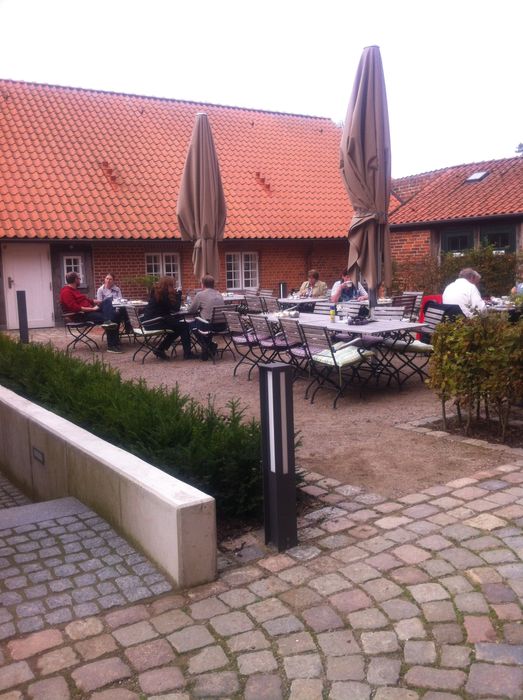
243	340
323	362
147	339
408	301
216	327
79	330
296	351
269	345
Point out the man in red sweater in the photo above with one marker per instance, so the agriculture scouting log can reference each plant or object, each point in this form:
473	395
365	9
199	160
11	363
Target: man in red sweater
74	302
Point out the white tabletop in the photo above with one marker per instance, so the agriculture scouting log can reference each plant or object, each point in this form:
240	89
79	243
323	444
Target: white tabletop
230	298
381	326
301	300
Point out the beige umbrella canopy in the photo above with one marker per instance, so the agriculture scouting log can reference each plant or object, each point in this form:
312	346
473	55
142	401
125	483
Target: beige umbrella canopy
201	209
365	168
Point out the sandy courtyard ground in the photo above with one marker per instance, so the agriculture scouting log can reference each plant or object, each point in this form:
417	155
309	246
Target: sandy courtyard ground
357	443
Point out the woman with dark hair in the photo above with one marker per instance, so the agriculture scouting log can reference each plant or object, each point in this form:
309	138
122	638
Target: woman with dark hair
345	290
164	301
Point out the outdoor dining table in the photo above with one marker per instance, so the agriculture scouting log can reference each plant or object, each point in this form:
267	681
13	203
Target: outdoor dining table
373	327
300	301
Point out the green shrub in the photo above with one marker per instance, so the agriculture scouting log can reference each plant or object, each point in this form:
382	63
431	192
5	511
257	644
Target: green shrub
478	362
216	452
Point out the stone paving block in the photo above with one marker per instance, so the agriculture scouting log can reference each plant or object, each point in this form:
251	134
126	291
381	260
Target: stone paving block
322	618
381	589
456	584
124	694
247	641
409	575
34	644
305	689
276	563
256	662
338	643
56	660
209	607
508	611
479	629
263	611
264	687
190	638
379	642
351	600
498	680
383	671
500	653
170	621
513	633
483	574
447	633
410	629
99	673
296	644
134	634
345	668
81	629
391	522
454	656
303	666
471	603
328	584
435	678
15	674
377	544
237	597
359	572
95	647
436	568
350	554
486	521
427	592
419	653
343	690
400	609
149	654
384	562
368	619
396	694
268	587
160	680
498	556
439	611
283	625
301	597
49	689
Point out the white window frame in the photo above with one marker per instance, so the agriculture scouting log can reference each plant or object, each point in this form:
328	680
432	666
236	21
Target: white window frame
240	278
74	263
164	264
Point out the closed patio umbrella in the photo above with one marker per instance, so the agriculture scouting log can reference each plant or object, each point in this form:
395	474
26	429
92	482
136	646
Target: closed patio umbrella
201	209
365	168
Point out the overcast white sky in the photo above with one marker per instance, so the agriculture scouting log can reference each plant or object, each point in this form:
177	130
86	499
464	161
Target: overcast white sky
453	68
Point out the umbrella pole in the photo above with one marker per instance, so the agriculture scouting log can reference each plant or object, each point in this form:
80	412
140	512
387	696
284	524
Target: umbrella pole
373	299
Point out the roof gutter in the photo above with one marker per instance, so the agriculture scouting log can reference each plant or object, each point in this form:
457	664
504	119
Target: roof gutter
465	220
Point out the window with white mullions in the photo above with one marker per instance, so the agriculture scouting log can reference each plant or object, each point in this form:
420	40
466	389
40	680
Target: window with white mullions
242	270
74	263
163	264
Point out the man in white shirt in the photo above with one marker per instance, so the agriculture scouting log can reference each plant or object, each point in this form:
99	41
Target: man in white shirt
464	293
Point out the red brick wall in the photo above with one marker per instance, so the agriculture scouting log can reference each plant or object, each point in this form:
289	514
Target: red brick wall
286	261
408	246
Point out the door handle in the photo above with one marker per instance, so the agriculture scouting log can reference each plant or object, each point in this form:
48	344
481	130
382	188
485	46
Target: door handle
10	282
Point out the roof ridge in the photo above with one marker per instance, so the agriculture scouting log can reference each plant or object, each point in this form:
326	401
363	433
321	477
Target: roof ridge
455	167
117	93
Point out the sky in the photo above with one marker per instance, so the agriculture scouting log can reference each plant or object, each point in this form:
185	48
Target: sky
453	69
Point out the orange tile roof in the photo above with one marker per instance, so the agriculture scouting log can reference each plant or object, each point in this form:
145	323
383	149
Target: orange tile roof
86	164
446	195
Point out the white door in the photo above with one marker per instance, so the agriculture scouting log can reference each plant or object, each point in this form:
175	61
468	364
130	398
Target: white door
28	267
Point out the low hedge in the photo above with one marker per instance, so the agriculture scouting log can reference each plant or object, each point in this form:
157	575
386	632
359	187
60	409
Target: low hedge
218	453
478	364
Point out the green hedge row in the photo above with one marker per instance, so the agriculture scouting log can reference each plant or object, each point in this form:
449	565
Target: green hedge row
218	453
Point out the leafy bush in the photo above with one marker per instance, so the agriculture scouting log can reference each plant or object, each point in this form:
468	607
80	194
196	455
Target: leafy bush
218	453
432	275
478	362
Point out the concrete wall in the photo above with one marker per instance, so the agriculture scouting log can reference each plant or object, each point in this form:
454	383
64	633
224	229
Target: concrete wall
49	457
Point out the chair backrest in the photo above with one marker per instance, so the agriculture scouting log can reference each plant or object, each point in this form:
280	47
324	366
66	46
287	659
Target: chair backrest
322	307
270	304
233	321
351	308
417	304
388	313
316	340
218	315
253	304
291	330
433	317
407	301
265	292
260	327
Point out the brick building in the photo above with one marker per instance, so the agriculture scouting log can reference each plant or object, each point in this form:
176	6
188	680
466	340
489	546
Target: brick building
89	182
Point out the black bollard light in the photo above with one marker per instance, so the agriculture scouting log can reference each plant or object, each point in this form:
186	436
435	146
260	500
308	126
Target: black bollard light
279	479
22	317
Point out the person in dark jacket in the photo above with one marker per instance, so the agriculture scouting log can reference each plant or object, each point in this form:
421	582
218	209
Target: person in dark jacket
164	301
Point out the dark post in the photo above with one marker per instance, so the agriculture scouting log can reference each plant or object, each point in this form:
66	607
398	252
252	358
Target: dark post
279	482
282	286
22	317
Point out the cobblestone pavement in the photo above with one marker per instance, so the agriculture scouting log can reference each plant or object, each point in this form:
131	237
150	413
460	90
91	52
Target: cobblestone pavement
10	496
418	597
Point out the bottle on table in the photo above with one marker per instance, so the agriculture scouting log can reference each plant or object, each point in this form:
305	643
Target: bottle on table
332	312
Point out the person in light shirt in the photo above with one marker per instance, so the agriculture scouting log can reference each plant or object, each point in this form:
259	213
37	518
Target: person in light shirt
464	293
345	289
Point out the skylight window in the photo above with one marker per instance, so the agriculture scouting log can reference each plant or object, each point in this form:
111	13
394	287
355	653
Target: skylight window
477	176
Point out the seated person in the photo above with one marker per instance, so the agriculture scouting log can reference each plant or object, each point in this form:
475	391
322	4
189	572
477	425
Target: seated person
345	290
313	287
464	293
164	301
74	302
109	290
203	303
518	289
